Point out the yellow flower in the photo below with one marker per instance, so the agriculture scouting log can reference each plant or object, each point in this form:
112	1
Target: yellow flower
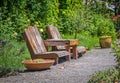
28	20
15	33
24	15
41	30
8	18
36	23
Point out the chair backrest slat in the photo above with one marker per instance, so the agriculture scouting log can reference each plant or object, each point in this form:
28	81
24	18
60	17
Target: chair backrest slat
39	41
29	42
34	40
53	33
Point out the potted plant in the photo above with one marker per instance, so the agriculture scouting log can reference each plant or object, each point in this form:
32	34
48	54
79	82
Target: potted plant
38	64
105	32
105	41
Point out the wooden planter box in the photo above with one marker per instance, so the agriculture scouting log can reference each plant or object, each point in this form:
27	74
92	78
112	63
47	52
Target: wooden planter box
34	65
105	41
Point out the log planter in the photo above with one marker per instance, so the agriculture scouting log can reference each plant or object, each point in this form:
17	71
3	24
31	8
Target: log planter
105	41
38	64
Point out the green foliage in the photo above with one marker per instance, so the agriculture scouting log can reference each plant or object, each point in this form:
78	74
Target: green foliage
106	76
99	7
71	15
11	56
98	26
116	20
85	39
105	27
18	15
39	60
98	18
88	40
116	47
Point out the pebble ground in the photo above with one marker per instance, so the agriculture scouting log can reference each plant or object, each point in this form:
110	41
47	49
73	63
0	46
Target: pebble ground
75	71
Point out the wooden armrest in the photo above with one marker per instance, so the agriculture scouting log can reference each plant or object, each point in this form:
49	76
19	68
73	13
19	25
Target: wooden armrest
54	42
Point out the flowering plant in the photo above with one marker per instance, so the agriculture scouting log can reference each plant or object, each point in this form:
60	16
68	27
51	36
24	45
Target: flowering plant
116	20
116	17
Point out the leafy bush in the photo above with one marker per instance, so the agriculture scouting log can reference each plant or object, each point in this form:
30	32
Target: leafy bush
106	76
105	27
11	56
71	16
116	47
18	15
99	26
85	39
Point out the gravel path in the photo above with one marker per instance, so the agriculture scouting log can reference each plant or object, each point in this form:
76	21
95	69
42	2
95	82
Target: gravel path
76	71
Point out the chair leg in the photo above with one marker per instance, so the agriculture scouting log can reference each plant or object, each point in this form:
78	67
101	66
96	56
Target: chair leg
68	57
56	60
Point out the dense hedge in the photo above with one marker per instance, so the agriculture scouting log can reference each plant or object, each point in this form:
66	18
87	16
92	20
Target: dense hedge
19	14
68	15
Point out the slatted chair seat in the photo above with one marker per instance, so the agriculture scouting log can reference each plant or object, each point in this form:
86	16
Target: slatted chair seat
53	33
37	47
59	53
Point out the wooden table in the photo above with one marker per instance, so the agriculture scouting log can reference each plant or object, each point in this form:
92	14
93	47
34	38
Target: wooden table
70	44
73	47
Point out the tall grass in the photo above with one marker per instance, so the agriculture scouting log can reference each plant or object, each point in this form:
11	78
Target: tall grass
85	39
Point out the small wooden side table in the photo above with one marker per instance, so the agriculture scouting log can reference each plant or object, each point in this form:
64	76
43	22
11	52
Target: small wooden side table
68	43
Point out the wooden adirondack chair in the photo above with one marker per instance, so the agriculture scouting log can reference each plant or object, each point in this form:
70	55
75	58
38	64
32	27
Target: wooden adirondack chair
37	47
53	33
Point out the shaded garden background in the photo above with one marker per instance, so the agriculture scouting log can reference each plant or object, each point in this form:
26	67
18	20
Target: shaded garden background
69	16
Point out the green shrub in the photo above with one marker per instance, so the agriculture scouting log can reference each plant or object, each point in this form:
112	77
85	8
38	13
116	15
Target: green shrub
116	47
106	28
99	26
11	56
85	39
15	16
106	76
